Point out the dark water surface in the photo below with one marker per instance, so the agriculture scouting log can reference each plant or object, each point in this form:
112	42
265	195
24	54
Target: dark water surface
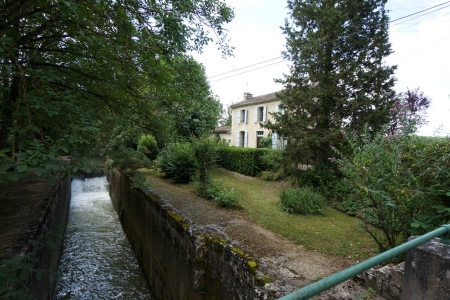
97	261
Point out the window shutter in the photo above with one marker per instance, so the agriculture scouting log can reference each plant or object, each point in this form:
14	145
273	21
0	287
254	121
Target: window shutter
237	138
276	108
264	113
245	139
283	142
238	116
256	114
274	140
245	116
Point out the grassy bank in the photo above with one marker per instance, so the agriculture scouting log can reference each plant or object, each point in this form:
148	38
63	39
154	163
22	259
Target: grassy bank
333	233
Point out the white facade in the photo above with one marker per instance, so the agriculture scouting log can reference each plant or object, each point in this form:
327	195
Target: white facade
248	116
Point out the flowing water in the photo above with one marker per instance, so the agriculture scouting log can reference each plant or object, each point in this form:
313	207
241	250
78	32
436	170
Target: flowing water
97	261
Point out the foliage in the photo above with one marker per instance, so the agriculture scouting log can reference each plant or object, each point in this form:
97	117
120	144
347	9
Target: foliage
386	191
227	117
303	201
273	161
206	155
17	274
246	161
272	175
128	159
417	103
74	72
177	161
337	76
192	111
430	162
216	192
147	145
266	142
433	218
228	199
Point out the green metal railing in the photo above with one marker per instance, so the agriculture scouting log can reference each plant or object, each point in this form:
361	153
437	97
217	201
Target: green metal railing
327	283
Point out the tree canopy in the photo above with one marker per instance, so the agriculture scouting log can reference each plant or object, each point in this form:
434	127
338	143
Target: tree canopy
337	77
69	68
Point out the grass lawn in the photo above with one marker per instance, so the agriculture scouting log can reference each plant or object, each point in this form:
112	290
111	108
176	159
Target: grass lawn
334	233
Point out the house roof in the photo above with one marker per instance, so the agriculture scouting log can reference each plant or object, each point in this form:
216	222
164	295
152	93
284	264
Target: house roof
223	129
257	99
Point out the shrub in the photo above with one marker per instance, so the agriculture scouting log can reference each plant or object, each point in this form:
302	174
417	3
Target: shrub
216	192
148	146
228	199
266	142
246	161
303	201
386	192
177	161
272	175
128	159
206	155
208	190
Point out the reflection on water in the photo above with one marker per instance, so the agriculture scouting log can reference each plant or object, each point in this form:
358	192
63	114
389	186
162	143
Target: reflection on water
97	261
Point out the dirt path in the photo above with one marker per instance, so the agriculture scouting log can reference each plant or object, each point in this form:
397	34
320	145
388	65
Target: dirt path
291	264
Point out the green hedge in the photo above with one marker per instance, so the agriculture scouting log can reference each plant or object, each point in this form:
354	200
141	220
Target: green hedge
246	161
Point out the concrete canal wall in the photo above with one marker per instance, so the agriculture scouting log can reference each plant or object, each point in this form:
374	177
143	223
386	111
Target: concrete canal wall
33	218
179	260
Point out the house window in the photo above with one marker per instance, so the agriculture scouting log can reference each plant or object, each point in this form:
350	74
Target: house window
241	139
241	116
259	136
260	114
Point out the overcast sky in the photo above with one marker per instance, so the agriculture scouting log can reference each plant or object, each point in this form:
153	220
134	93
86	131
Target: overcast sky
421	52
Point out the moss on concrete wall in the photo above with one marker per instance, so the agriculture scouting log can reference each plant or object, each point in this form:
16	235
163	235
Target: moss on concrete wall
179	260
34	215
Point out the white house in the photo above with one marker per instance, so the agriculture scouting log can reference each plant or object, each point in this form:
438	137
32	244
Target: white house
248	116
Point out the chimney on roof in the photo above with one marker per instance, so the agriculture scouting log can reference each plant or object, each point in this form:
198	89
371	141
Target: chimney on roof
247	95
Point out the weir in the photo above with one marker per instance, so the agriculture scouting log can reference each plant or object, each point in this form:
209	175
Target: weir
97	261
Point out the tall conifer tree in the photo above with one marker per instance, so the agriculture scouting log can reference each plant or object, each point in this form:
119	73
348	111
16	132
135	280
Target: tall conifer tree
337	76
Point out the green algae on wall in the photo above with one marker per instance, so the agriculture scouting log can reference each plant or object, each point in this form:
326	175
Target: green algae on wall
180	260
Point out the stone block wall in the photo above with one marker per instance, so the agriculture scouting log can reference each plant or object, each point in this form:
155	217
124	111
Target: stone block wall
385	281
180	261
427	271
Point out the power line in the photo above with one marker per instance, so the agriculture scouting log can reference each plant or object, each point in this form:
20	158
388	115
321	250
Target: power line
232	71
245	67
419	12
249	71
422	15
425	48
409	25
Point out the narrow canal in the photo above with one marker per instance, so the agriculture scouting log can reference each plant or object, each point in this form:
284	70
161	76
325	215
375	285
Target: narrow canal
97	261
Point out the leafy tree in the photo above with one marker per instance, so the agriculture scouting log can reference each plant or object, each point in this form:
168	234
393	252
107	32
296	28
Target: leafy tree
206	154
148	146
72	68
337	76
226	119
417	104
178	161
191	110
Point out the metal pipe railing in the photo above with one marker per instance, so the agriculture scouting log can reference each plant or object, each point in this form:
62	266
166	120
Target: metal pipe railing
332	280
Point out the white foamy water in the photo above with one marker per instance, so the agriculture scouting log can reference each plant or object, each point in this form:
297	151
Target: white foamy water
97	261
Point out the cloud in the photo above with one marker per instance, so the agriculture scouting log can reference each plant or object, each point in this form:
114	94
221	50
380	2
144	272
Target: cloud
421	53
241	3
